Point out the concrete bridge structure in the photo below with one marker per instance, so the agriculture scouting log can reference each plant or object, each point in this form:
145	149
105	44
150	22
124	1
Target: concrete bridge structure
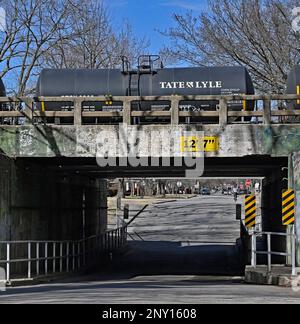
49	177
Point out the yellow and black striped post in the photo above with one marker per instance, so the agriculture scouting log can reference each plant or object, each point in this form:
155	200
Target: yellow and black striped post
288	207
250	211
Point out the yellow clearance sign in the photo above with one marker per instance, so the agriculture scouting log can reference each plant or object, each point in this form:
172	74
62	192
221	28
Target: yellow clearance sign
199	144
211	144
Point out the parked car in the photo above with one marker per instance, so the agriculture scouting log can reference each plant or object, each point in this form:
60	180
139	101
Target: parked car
227	191
243	192
205	192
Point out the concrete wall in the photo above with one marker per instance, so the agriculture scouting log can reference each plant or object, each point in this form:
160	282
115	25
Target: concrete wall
271	202
81	141
37	203
296	184
96	207
5	197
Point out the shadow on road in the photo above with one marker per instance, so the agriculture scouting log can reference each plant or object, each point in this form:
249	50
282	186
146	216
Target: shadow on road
174	258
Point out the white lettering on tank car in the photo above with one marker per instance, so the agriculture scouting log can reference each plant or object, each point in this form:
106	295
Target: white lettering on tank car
191	85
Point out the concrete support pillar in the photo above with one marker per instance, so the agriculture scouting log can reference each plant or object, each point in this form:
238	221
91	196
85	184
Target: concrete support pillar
5	198
295	160
272	210
127	112
175	111
78	112
96	208
223	113
267	112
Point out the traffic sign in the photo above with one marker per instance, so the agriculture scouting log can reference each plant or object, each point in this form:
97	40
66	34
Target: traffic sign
199	144
211	144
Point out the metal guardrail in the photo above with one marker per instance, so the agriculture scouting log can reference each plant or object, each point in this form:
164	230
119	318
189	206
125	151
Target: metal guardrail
29	108
50	257
269	251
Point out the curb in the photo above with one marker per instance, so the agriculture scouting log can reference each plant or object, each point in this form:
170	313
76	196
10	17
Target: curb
260	276
44	279
165	202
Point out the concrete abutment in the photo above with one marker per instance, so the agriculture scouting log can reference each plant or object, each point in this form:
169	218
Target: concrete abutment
38	203
272	211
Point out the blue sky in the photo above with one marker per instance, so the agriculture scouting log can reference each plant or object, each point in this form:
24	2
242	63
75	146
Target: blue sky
148	15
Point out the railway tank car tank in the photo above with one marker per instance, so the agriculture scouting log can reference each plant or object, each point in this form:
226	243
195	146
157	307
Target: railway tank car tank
293	87
146	80
2	89
3	106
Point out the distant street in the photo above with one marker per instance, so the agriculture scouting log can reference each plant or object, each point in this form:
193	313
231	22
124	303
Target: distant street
165	268
207	219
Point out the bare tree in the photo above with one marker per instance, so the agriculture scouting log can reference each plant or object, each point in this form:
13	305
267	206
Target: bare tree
255	33
34	26
96	44
60	34
91	39
11	41
129	45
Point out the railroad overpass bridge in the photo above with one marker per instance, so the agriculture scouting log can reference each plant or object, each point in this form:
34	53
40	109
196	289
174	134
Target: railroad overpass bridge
50	176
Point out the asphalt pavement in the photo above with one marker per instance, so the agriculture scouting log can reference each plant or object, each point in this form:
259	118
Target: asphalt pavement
174	245
151	290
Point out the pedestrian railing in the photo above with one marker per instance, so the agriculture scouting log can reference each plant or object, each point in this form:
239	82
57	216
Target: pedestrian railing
32	259
269	253
134	236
